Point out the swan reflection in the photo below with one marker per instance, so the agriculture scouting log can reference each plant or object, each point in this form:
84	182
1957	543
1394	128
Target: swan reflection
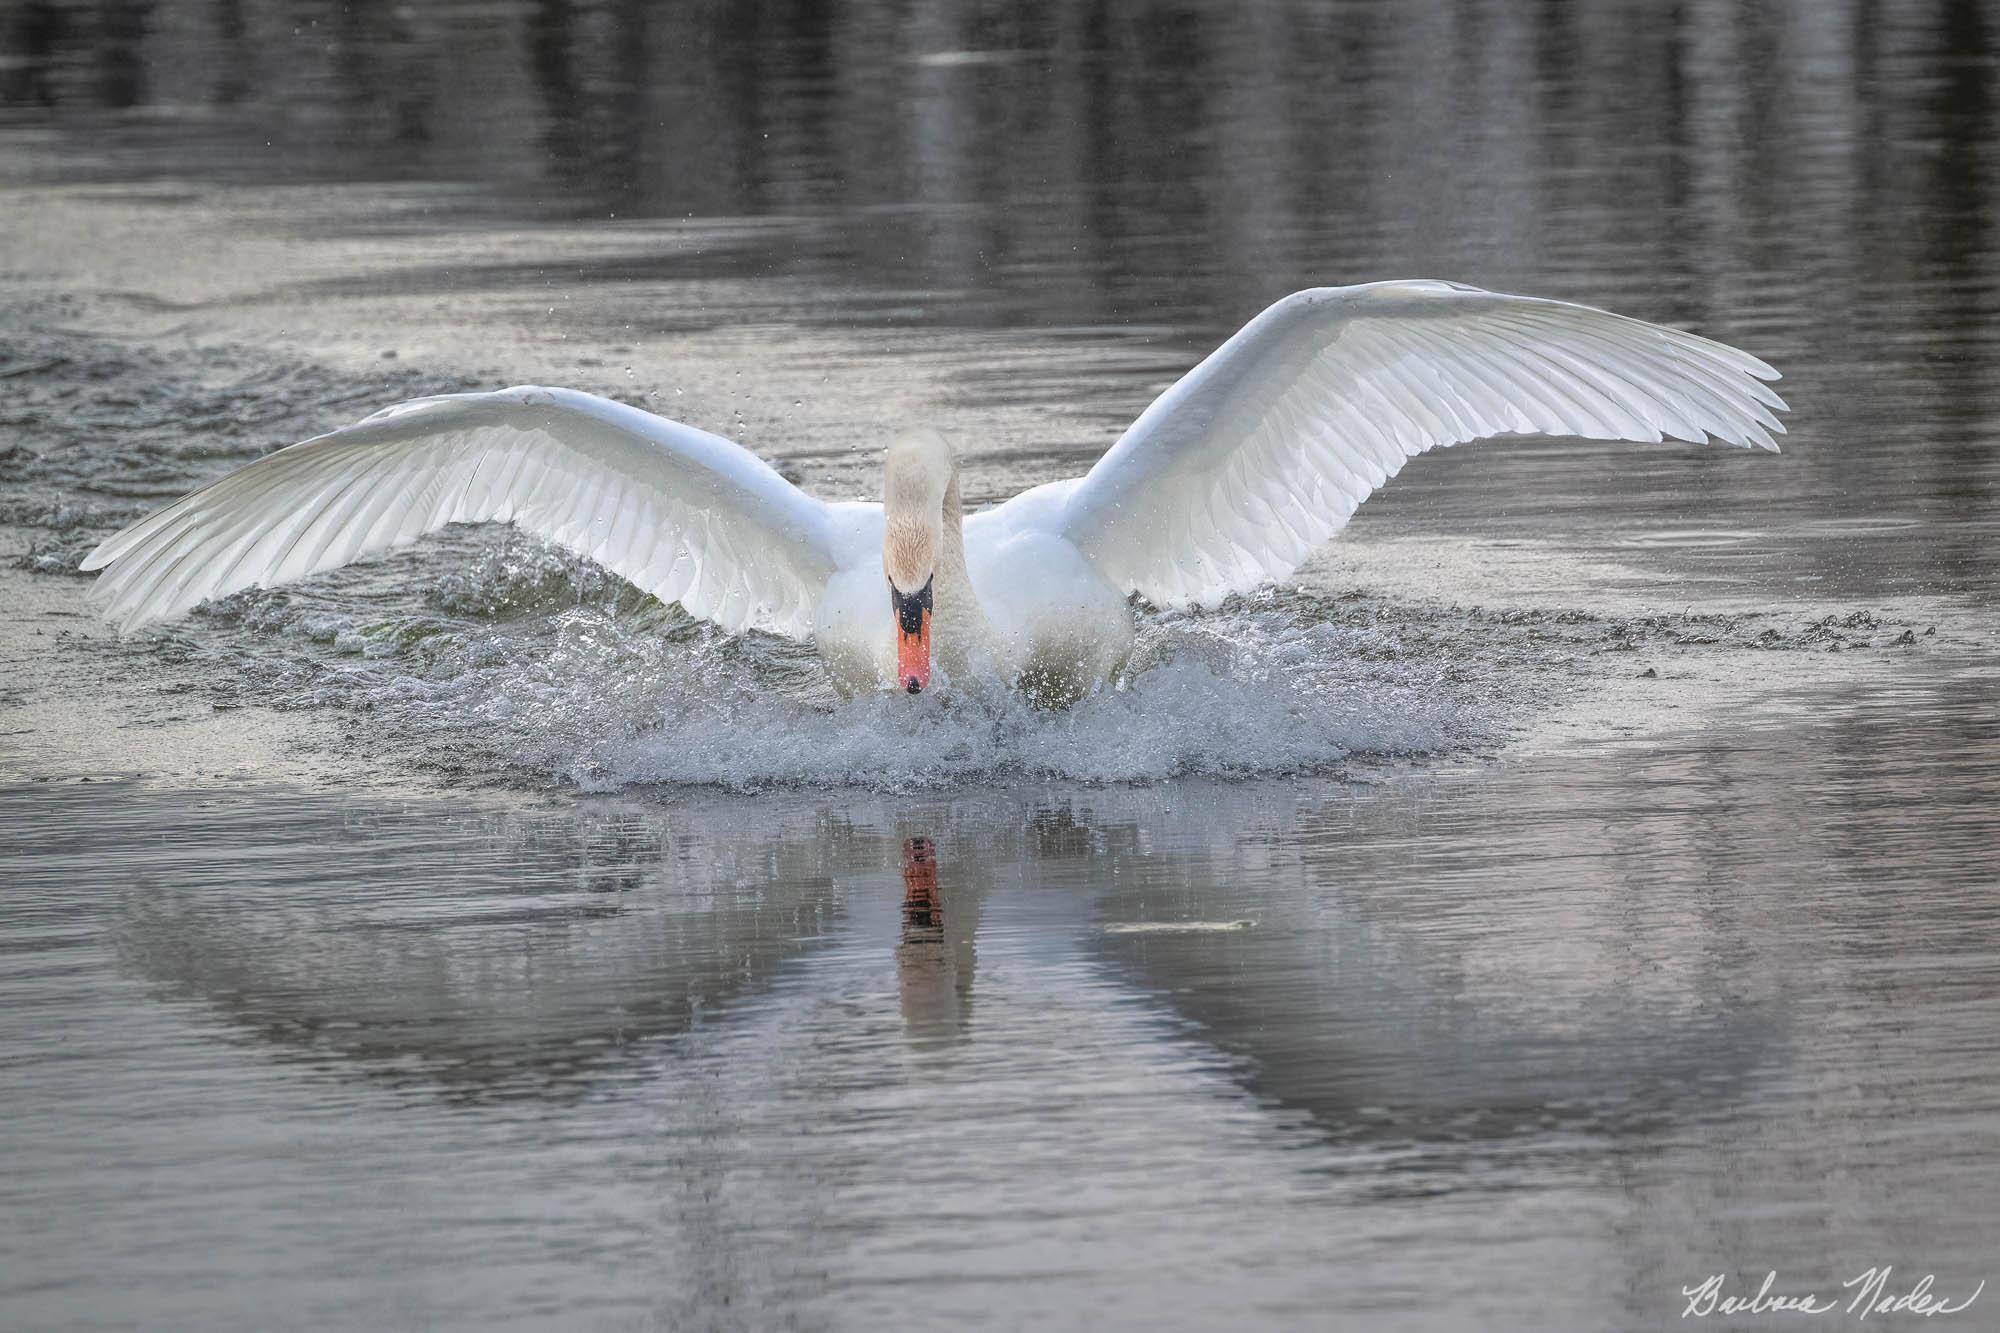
496	955
934	966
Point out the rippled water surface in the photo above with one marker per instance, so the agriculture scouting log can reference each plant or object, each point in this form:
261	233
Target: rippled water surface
1579	881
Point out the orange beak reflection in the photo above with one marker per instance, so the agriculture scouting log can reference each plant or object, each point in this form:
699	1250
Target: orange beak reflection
913	637
923	915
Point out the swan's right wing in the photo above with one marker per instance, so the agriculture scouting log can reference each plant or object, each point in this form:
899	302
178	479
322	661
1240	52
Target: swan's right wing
1262	451
687	516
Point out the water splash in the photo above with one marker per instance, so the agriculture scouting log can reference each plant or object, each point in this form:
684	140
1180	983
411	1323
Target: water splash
1180	718
611	691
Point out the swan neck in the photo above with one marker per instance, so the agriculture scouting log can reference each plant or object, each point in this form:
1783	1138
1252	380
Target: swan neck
963	628
952	545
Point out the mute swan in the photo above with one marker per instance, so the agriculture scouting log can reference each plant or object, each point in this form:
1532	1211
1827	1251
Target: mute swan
1229	479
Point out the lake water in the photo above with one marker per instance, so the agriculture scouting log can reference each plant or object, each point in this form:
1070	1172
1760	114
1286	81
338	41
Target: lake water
1579	881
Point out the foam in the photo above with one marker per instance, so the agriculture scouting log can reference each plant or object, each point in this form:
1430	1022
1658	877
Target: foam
602	698
1177	719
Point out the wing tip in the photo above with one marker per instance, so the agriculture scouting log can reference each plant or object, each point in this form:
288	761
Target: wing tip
113	609
123	620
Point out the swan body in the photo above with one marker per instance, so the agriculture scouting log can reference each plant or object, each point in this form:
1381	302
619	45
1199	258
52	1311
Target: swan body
1228	480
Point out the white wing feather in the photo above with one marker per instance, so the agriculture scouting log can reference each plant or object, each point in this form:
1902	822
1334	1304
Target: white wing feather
686	515
1262	452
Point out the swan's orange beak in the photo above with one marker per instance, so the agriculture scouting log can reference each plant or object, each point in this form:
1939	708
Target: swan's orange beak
913	637
913	656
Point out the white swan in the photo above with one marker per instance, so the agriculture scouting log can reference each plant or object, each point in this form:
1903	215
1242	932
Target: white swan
1230	478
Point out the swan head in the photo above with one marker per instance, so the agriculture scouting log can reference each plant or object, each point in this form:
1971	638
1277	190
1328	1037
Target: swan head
917	473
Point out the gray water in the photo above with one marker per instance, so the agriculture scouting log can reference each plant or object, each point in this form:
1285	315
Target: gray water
1579	881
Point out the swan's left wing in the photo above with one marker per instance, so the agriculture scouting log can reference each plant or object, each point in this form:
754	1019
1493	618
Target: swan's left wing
685	515
1260	453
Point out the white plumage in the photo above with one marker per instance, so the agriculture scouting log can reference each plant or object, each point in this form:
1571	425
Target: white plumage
688	516
1263	451
1229	479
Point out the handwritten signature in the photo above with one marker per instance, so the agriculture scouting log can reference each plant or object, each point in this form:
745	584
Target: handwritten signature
1872	1295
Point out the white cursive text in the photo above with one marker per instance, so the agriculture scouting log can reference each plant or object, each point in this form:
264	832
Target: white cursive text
1872	1295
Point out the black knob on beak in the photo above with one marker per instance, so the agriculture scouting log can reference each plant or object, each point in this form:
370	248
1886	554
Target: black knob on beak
913	687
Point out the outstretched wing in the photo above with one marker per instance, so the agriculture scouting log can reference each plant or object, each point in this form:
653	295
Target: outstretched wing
685	515
1260	453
